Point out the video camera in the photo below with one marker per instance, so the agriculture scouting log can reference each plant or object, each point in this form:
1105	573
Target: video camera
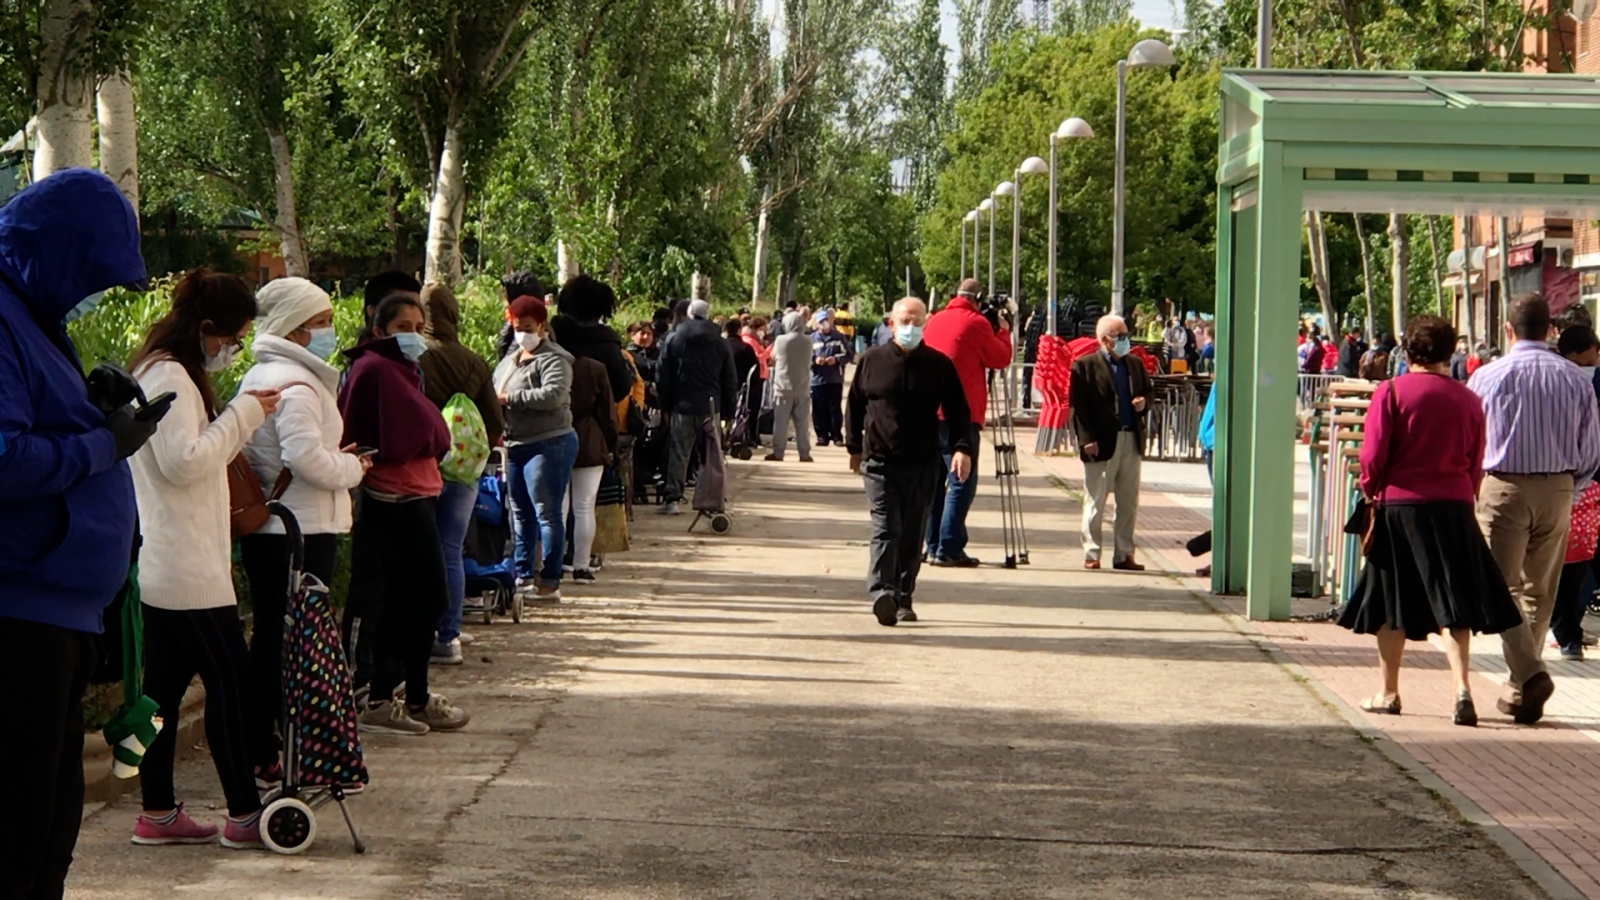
999	310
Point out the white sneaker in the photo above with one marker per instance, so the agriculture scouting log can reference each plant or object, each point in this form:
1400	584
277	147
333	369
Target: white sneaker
671	509
597	563
441	715
466	639
447	654
389	717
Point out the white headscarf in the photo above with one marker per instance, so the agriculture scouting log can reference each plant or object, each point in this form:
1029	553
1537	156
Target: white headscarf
287	303
699	309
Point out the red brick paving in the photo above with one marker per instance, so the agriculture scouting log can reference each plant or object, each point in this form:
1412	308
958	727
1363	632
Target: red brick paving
1541	783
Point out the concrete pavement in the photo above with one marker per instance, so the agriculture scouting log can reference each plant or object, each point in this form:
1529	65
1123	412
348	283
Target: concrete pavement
722	717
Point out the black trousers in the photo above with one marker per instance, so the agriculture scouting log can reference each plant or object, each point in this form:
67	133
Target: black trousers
827	412
901	498
266	565
49	668
179	644
405	538
363	606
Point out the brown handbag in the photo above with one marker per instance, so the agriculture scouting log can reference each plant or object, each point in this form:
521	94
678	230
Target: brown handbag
247	503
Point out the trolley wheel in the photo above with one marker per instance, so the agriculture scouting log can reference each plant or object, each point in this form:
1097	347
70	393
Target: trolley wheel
721	523
288	826
742	453
516	607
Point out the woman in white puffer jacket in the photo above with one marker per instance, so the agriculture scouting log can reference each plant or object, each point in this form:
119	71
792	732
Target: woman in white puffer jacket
294	337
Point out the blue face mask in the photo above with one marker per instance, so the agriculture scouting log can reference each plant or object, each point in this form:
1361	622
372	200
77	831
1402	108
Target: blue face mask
85	306
908	336
413	345
1123	346
323	342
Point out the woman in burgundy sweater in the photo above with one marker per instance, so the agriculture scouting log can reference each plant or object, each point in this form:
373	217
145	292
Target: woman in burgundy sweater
385	409
1429	569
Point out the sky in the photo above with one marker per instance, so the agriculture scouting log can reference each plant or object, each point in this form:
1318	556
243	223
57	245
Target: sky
1153	13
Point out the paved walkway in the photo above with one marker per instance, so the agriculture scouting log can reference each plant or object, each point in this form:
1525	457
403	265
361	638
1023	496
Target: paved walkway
1541	783
722	718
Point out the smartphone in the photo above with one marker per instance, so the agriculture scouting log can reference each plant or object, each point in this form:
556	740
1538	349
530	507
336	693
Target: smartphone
364	452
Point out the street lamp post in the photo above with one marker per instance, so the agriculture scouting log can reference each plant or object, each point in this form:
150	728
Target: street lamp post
1147	54
1033	165
971	216
833	269
977	217
1003	189
988	206
1071	128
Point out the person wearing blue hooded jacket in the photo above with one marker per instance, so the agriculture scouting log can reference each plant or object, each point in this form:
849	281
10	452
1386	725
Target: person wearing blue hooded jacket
67	516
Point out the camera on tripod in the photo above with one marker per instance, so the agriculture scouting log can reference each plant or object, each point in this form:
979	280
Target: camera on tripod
999	310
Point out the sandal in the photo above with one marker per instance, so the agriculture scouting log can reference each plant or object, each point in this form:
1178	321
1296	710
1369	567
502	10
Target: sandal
1385	706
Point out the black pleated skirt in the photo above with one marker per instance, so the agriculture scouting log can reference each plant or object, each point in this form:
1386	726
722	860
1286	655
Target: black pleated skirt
1430	569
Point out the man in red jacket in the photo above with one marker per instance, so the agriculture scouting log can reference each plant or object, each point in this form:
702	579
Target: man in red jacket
961	332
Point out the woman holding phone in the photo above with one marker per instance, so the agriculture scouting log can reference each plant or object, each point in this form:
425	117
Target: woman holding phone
294	338
191	616
384	408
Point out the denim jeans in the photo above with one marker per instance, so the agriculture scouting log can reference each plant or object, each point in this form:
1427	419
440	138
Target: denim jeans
541	472
952	500
455	512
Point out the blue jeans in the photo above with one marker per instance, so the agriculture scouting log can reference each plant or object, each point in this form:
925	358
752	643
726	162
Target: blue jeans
540	473
952	500
455	511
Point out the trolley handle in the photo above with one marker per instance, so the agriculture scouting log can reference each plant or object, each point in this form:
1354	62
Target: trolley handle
291	528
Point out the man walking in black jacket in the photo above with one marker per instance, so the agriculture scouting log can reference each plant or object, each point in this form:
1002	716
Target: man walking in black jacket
896	396
696	384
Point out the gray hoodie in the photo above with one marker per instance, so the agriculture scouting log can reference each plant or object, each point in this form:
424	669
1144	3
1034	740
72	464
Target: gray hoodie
538	393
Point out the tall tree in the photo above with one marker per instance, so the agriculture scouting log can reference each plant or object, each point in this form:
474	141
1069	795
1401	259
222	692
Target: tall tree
119	134
916	60
65	80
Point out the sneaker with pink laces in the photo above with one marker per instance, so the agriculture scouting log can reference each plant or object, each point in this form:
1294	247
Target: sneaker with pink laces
174	828
244	833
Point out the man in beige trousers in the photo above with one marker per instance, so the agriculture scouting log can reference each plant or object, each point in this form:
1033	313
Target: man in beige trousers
1543	442
1108	396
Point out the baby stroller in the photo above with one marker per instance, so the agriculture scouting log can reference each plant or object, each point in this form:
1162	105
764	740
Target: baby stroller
321	747
743	436
491	575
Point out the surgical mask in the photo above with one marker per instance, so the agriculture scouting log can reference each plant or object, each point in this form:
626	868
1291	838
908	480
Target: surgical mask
908	336
1588	372
323	342
529	341
223	359
413	345
85	306
1123	346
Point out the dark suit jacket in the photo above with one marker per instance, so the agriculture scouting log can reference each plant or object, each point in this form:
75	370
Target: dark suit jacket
1093	401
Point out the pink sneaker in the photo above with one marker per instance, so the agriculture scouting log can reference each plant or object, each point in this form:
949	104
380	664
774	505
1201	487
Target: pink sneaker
241	836
179	830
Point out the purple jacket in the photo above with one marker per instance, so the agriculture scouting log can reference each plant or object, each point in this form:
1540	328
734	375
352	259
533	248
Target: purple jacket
384	407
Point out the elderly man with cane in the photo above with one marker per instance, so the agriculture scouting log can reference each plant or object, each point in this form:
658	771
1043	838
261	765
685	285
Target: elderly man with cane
896	397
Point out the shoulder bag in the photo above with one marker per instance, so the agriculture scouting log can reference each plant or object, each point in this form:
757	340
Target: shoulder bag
247	502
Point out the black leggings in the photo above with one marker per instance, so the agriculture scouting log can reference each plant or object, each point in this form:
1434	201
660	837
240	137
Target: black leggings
178	644
49	667
405	536
266	564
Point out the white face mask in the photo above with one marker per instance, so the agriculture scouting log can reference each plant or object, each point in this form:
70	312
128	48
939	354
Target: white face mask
529	341
1588	372
223	359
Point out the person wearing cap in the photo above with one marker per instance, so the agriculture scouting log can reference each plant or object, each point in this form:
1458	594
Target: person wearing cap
696	383
67	514
831	351
294	340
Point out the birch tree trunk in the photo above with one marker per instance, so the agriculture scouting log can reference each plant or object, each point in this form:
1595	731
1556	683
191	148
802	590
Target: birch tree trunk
567	267
66	88
1366	274
1400	270
288	221
758	289
1438	267
119	135
1319	269
444	229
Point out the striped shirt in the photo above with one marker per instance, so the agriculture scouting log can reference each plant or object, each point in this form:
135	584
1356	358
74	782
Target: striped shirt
1541	414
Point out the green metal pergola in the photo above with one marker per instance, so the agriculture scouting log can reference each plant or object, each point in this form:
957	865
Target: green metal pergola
1373	142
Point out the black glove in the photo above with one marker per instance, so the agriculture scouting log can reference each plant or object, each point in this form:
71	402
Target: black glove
111	387
130	430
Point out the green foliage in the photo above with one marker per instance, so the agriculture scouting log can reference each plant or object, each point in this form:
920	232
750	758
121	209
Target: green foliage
1039	80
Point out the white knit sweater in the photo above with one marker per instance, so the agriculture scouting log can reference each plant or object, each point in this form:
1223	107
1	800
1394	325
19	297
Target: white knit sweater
181	480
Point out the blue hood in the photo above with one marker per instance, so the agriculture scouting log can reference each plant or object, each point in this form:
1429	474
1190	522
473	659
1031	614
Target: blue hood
65	238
